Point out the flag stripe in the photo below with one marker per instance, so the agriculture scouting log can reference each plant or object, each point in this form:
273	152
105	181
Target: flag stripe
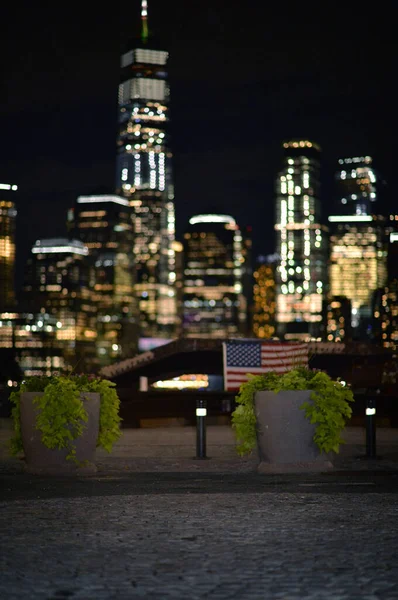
281	351
283	348
283	359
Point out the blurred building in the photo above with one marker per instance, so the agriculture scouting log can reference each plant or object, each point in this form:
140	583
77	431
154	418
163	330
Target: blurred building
392	258
385	301
301	276
103	223
179	284
58	282
8	216
247	274
337	319
144	177
358	263
385	315
214	304
264	297
34	340
358	241
356	183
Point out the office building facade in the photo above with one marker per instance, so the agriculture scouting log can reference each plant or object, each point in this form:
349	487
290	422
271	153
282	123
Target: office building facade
385	299
178	248
385	315
337	319
301	276
57	288
358	261
8	214
264	297
214	304
144	177
358	241
356	183
103	223
32	339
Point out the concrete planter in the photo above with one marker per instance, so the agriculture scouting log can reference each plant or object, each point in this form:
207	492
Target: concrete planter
39	458
285	435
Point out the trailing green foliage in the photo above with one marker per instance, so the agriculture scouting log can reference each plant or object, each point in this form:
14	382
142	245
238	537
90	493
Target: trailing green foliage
329	408
109	426
244	418
16	446
61	415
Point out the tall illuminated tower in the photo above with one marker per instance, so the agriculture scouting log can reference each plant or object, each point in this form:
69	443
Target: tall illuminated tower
8	215
144	177
358	241
301	243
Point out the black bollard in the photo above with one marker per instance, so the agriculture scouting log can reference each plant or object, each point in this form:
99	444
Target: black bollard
201	413
370	419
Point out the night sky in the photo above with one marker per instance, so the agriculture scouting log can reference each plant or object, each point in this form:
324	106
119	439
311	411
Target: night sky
242	80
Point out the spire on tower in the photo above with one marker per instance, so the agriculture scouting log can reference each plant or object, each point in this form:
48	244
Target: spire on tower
144	21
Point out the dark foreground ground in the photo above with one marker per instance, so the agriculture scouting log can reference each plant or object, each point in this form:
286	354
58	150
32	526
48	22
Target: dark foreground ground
154	523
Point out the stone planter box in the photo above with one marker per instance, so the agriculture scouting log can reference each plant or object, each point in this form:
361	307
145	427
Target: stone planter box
39	458
285	435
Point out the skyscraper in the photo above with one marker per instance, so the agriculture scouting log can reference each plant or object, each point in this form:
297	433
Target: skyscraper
358	241
214	304
358	261
144	177
57	288
104	224
356	181
8	215
301	243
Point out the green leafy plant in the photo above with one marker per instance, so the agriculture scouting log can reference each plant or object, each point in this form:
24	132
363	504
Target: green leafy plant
61	415
329	406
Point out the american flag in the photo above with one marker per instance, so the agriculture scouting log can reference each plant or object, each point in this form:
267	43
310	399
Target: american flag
243	357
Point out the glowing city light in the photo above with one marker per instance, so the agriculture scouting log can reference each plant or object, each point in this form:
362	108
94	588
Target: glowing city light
349	218
105	198
212	219
59	245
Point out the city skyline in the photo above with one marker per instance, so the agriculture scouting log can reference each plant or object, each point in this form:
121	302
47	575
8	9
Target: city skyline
281	82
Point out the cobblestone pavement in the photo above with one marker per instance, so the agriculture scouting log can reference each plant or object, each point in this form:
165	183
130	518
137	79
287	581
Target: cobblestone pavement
154	523
189	546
